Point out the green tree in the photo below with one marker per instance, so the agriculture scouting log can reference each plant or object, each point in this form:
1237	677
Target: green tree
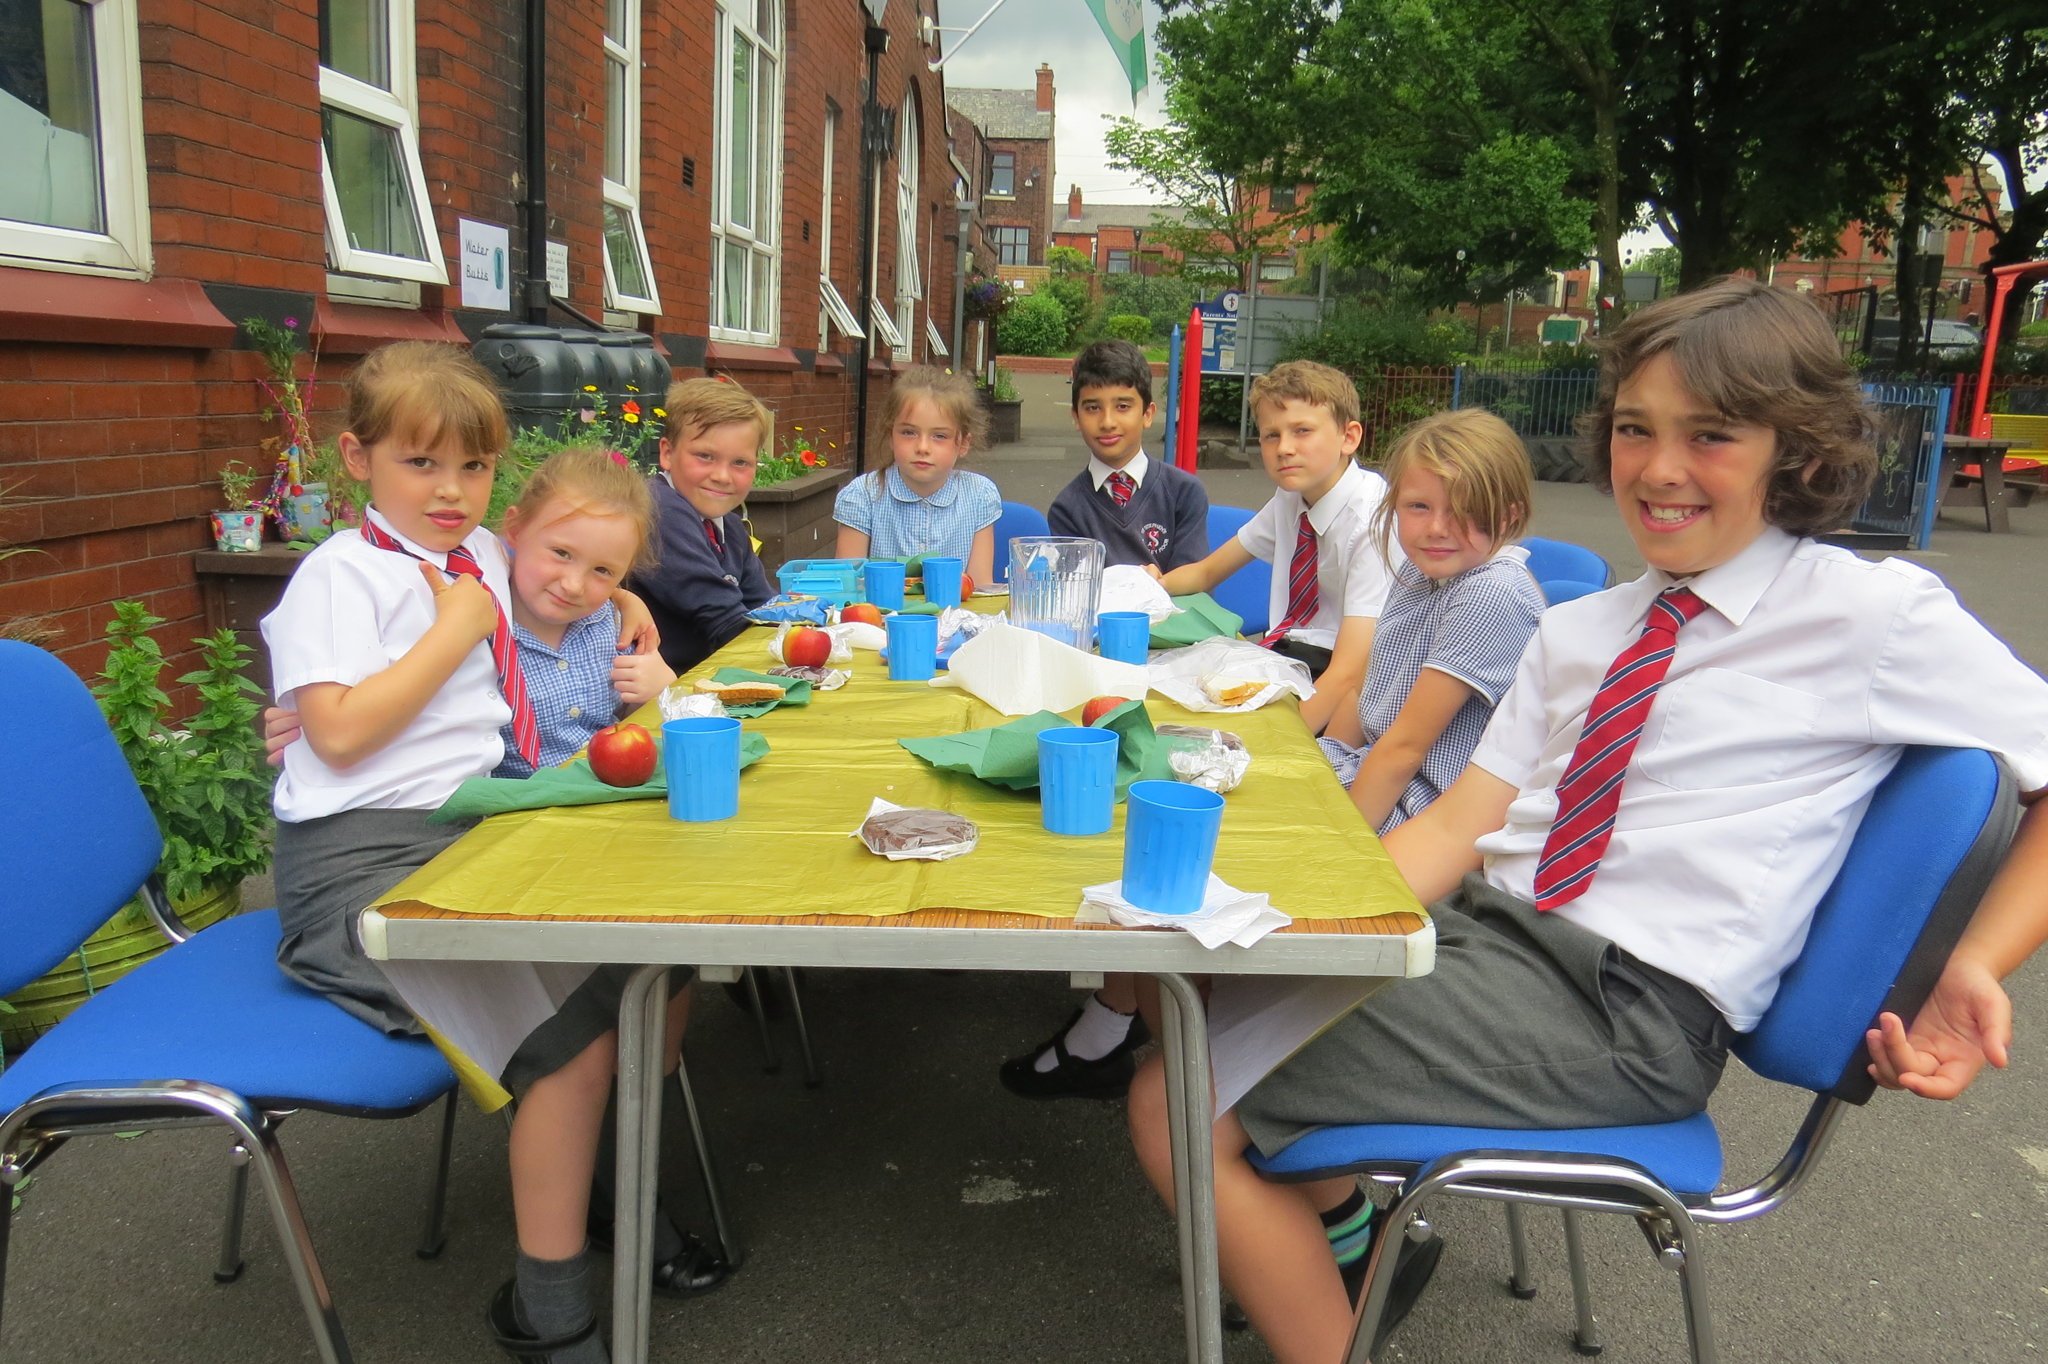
1035	324
1072	281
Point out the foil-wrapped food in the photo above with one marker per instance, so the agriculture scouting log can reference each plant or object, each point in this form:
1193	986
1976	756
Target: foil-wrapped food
1214	759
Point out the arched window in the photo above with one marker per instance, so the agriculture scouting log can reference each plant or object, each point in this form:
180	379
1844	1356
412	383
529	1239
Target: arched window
746	207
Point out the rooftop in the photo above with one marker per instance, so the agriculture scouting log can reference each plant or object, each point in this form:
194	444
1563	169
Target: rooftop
1002	114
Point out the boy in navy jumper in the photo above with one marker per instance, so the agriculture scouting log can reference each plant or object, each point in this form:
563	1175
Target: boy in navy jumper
708	576
1143	511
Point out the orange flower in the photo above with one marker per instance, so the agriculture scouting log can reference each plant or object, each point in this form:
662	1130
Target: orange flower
630	408
811	460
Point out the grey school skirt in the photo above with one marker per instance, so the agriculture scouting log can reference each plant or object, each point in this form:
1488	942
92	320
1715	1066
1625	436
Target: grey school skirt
329	870
1528	1020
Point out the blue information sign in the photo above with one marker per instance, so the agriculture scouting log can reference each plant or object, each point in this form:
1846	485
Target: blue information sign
1220	354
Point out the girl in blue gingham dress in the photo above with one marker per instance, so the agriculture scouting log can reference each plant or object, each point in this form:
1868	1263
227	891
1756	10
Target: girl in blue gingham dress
1462	608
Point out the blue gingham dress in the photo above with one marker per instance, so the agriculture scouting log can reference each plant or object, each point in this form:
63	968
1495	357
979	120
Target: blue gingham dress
1474	627
899	523
570	687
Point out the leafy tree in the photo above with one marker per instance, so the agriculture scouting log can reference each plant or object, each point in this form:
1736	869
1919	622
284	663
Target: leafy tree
1072	282
1163	300
1035	324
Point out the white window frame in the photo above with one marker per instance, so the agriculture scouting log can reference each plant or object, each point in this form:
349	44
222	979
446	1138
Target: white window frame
124	247
938	342
885	326
764	239
909	281
832	309
396	108
624	195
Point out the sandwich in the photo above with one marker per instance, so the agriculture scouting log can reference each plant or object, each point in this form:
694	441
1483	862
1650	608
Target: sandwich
740	693
1231	691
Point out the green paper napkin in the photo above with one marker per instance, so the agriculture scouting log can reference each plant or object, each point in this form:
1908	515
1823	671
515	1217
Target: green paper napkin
1007	755
1198	618
797	690
570	784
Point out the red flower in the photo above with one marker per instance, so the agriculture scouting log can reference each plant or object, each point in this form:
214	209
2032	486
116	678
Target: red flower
811	460
630	408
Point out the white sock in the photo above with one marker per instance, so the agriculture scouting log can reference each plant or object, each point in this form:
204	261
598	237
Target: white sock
1099	1031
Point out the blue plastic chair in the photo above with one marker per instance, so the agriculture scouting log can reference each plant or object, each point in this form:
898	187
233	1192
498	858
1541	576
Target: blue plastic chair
1017	520
1564	589
1933	836
1561	560
210	1030
1245	591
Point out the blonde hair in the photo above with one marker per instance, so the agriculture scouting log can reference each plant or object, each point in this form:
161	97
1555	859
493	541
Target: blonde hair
590	481
1484	467
1310	382
430	391
694	406
952	393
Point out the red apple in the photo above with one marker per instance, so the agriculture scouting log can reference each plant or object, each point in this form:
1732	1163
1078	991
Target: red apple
805	647
966	586
1099	707
867	613
623	755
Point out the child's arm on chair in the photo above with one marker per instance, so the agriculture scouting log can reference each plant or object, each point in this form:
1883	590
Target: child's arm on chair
1967	1021
346	724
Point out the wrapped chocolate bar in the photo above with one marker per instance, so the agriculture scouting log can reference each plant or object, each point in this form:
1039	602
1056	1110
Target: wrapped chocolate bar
1212	758
897	833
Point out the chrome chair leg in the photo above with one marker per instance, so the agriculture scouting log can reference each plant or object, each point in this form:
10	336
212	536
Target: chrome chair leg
771	1061
1692	1285
435	1235
1521	1282
297	1241
1586	1331
10	1174
229	1268
803	1033
728	1238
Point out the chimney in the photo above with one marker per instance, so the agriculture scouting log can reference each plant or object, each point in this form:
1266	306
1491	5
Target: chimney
1073	203
1044	88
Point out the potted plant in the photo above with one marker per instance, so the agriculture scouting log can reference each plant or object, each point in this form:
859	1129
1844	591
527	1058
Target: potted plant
239	528
1005	408
209	787
790	508
295	499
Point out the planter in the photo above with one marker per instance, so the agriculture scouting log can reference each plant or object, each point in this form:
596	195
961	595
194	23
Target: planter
238	590
1006	420
238	532
123	943
793	519
304	514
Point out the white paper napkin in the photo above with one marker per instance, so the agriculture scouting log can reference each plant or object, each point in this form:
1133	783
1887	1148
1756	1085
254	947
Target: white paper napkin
1020	671
1127	587
1227	915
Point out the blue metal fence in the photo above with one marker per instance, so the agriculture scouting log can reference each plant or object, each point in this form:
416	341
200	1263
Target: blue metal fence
1912	420
1535	402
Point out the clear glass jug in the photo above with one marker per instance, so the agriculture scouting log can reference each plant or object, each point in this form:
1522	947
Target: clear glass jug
1054	584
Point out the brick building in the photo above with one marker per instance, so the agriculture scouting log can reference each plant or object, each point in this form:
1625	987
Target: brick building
1014	187
194	162
1870	258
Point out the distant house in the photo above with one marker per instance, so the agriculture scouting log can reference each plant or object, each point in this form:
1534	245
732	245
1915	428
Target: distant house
1114	236
1014	183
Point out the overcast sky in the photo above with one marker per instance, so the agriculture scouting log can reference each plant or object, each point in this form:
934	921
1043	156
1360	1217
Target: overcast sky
1087	79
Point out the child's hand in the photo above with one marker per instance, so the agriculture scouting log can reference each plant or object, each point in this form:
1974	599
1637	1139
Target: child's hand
639	678
636	624
464	605
280	731
1156	575
1965	1024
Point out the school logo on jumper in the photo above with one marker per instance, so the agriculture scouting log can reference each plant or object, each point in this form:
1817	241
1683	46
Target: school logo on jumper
1154	536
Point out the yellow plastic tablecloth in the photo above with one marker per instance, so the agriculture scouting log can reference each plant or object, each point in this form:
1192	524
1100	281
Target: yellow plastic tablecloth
1290	830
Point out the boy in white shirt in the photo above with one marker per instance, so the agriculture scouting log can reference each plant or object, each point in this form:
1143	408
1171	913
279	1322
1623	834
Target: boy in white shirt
1329	580
1633	856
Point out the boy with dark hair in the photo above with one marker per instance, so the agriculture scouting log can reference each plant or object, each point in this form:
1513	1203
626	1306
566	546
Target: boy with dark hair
1143	510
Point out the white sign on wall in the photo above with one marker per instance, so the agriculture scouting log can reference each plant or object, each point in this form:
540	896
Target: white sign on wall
558	269
486	266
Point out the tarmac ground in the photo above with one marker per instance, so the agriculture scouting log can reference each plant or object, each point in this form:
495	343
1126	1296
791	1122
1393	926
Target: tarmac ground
909	1210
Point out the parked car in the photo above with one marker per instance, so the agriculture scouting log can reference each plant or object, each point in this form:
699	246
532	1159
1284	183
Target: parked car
1947	339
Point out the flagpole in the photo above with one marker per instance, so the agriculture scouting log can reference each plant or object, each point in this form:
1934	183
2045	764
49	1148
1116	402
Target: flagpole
966	33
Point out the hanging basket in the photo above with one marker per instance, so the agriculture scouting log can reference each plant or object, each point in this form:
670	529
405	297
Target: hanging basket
120	945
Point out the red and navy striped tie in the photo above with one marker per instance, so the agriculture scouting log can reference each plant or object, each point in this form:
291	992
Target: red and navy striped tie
1303	596
504	648
1121	485
1590	790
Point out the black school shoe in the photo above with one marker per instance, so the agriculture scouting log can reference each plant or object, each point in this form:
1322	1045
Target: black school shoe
1108	1077
503	1324
1414	1264
695	1269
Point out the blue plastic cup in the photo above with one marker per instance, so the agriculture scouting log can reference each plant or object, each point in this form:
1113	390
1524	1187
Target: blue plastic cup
701	755
1169	844
883	583
1077	779
913	647
1125	636
942	581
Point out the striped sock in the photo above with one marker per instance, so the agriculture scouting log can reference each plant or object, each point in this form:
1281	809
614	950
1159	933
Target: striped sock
1349	1226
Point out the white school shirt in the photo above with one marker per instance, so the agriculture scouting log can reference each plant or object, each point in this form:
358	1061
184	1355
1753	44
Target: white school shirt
1351	576
1785	706
353	610
1135	466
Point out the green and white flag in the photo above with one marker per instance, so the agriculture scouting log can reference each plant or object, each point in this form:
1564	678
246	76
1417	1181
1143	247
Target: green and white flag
1123	23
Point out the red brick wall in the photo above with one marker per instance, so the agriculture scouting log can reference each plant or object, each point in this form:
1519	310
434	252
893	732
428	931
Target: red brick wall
113	427
1032	206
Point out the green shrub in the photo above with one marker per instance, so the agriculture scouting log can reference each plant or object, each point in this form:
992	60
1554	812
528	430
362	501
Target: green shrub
1222	395
1036	324
1363	336
1128	327
1163	300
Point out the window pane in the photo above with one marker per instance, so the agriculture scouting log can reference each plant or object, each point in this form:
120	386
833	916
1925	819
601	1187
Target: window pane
740	212
764	279
369	179
615	22
49	117
733	288
622	245
355	39
1002	174
615	122
767	156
